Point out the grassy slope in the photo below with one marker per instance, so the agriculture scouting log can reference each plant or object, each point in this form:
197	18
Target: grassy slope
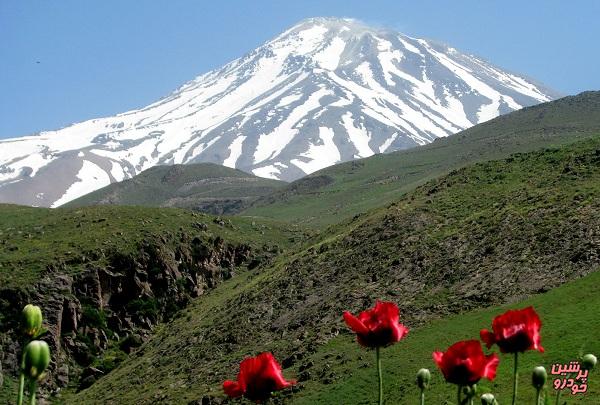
570	327
361	185
484	235
205	186
32	238
72	239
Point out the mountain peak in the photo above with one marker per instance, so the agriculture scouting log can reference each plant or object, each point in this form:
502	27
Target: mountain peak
325	91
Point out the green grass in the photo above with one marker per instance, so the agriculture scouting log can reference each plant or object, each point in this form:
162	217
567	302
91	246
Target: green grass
571	327
69	239
344	190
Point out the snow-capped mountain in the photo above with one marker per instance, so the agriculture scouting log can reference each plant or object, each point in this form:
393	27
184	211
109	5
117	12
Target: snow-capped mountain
325	91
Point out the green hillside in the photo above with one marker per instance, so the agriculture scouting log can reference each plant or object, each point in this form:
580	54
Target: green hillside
570	328
343	190
105	276
205	187
75	238
484	235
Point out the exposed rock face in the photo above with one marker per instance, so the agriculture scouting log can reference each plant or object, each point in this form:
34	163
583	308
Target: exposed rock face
117	305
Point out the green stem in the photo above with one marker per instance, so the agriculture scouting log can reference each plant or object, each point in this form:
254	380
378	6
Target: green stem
538	396
458	395
422	397
558	396
21	389
379	375
515	378
32	389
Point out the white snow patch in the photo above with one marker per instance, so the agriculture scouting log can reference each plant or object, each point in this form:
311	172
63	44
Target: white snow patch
359	136
270	145
117	171
270	172
329	58
202	147
235	152
309	39
283	101
410	47
90	177
388	142
321	155
487	111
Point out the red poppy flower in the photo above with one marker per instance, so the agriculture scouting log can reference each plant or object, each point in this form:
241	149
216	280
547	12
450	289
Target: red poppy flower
464	363
515	331
258	377
377	327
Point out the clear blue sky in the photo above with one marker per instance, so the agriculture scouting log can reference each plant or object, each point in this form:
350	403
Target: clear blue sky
98	58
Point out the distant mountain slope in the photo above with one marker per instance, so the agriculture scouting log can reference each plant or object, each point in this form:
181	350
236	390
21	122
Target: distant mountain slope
343	190
327	90
205	187
486	234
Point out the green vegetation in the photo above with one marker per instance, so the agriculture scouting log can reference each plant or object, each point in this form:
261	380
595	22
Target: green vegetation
570	328
482	236
36	241
205	187
344	190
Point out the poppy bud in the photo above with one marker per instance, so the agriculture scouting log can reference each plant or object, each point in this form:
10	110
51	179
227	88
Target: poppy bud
470	390
539	377
488	399
423	378
31	319
36	358
589	361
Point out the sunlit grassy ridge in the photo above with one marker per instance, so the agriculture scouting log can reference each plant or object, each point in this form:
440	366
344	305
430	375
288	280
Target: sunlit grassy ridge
206	187
73	238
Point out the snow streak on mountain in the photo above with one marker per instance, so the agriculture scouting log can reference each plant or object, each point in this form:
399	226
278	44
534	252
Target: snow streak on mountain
325	91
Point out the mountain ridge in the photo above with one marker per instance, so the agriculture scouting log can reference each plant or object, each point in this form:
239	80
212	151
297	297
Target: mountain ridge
204	187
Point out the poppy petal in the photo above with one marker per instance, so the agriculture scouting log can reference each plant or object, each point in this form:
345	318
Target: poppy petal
487	337
438	357
232	389
491	366
355	324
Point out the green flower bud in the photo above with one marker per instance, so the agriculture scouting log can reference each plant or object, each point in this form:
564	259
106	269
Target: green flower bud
423	378
36	358
539	377
470	390
488	399
588	362
31	319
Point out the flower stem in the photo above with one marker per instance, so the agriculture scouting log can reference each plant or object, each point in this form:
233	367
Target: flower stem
379	375
422	397
32	389
538	396
515	378
458	395
21	389
558	397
